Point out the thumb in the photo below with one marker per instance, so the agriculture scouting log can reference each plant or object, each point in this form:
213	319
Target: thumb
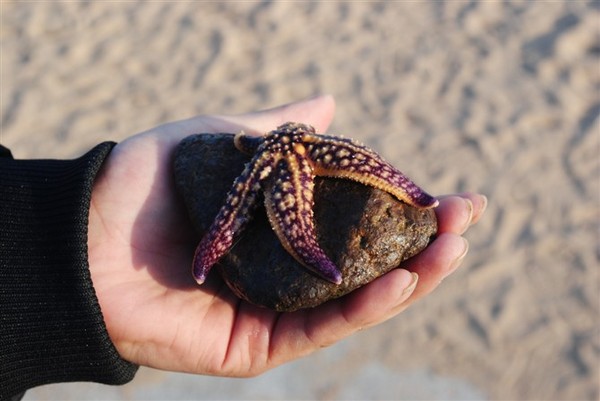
317	111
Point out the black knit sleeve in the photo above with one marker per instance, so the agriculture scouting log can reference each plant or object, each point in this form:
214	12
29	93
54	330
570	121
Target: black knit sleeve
51	326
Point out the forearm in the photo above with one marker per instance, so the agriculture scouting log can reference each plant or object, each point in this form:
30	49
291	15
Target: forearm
51	327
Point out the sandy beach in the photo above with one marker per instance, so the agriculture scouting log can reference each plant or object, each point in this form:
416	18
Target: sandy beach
497	97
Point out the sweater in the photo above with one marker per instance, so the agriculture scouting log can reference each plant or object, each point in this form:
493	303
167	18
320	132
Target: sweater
51	325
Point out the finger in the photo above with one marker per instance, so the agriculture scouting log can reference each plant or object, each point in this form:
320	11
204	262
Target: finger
365	307
380	300
479	202
305	331
440	259
317	111
456	213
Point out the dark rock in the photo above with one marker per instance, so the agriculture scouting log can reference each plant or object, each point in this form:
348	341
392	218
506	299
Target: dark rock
365	231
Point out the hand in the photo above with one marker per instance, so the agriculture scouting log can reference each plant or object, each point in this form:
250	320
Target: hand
140	253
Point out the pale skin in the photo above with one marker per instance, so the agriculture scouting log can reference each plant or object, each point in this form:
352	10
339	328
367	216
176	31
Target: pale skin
141	246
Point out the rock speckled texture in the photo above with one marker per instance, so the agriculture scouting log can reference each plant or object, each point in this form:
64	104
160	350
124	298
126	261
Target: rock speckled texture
365	231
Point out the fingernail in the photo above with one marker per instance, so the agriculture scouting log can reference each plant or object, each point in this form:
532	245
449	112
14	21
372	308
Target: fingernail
459	259
484	201
482	207
470	208
413	284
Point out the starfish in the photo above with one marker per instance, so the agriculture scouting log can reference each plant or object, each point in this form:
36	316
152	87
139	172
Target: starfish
284	164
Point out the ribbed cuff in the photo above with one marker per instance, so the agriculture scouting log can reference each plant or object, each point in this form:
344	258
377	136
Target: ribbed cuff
51	326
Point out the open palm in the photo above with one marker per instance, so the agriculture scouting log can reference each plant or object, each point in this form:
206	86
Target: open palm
140	250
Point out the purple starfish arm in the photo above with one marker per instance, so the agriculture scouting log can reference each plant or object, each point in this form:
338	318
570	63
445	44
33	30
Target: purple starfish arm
232	217
289	205
344	158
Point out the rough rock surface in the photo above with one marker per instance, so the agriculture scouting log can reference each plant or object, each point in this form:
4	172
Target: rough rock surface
365	231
